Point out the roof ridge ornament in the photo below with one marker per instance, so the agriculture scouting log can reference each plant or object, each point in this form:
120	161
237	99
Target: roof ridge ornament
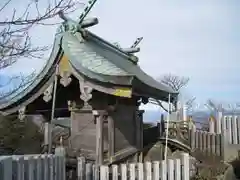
74	26
86	10
137	42
133	49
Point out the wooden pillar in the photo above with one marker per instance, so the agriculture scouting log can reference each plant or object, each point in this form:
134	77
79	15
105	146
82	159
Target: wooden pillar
141	127
138	129
162	122
111	138
140	135
99	117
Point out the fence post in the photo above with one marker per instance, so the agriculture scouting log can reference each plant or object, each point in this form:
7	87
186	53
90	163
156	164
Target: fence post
20	167
124	171
211	125
197	134
219	122
81	168
51	167
5	168
229	124
140	171
148	170
89	172
163	170
37	160
193	138
132	171
213	144
204	136
218	144
209	144
223	144
238	127
104	172
185	166
224	124
200	140
114	172
156	170
170	169
46	162
177	168
30	162
234	130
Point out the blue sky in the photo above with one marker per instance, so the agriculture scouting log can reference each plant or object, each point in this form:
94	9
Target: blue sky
197	39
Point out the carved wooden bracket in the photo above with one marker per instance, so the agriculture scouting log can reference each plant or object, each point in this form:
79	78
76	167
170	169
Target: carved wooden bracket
65	78
85	92
21	113
47	95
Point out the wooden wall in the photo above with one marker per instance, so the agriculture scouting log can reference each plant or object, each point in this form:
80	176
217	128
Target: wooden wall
125	127
83	130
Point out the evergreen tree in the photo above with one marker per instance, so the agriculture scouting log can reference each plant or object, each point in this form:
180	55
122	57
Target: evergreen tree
19	137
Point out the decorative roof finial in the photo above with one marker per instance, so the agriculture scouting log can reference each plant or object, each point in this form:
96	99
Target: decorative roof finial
86	10
133	48
73	26
137	42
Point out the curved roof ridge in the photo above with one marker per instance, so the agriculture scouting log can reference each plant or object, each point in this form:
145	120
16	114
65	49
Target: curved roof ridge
110	45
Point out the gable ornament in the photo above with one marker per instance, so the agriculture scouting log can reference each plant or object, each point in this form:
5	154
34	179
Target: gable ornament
21	113
47	95
86	93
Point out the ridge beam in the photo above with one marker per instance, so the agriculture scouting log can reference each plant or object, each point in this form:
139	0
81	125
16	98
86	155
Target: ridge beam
131	50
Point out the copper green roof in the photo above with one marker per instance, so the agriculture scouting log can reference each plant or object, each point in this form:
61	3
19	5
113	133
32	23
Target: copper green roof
95	59
102	61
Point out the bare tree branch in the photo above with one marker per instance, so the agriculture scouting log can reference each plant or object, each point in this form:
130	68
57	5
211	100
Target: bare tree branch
159	103
176	83
190	102
18	82
15	41
214	106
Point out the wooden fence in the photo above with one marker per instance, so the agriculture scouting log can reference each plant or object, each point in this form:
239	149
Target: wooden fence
209	144
222	140
230	125
172	169
32	167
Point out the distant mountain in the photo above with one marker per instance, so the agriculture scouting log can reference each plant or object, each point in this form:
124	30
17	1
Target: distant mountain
154	116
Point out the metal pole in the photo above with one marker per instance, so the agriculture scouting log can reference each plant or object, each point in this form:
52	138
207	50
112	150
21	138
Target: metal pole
167	127
53	109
